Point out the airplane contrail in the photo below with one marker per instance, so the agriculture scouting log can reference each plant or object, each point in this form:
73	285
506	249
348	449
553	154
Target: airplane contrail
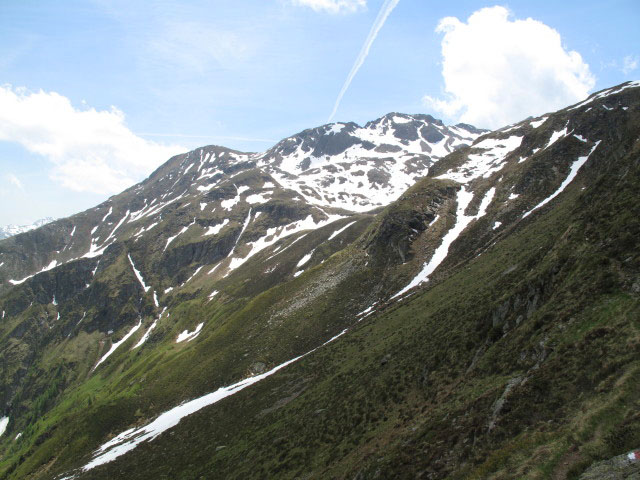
385	11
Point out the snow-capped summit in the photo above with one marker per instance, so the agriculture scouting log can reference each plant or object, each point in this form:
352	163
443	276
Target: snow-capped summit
11	230
359	168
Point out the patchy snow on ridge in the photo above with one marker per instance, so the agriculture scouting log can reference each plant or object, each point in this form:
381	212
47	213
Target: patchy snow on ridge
606	93
376	165
51	266
276	233
486	163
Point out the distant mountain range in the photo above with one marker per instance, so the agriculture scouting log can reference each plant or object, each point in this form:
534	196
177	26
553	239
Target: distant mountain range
400	300
10	230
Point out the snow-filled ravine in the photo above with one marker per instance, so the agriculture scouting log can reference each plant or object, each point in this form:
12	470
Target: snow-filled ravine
462	221
115	345
4	421
575	166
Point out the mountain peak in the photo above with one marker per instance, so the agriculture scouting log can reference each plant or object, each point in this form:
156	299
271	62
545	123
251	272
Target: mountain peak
11	230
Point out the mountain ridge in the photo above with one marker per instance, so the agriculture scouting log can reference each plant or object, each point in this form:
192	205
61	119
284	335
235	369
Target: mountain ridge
477	369
11	230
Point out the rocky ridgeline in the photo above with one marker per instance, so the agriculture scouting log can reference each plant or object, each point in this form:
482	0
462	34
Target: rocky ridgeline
223	265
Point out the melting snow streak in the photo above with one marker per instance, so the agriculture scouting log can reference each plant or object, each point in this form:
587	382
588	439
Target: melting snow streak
117	344
572	174
138	275
4	421
130	439
462	221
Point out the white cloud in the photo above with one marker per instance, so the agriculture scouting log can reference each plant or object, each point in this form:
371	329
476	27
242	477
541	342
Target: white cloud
497	71
90	150
15	181
333	6
629	64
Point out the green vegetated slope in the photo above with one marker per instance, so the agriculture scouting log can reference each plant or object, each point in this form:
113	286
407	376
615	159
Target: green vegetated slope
523	363
518	359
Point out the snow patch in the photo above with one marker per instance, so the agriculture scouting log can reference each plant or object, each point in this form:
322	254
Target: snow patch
51	266
486	163
338	232
555	136
188	336
130	439
114	346
107	215
229	204
194	274
182	230
572	174
138	275
537	123
257	198
147	333
462	221
214	230
305	259
4	421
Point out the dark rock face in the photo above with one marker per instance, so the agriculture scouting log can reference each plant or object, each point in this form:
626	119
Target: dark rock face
406	220
431	134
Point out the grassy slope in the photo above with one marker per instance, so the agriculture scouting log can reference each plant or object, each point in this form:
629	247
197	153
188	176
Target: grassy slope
551	309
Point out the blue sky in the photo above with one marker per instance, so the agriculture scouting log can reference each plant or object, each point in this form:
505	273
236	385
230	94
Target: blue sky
96	94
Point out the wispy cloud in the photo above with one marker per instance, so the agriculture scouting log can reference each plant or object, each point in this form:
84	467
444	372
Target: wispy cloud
332	6
90	150
210	137
197	46
629	64
15	181
385	11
